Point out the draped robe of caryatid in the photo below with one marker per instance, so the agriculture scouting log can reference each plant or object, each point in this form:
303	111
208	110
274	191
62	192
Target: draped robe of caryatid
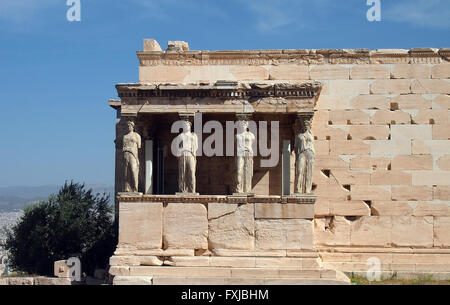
304	164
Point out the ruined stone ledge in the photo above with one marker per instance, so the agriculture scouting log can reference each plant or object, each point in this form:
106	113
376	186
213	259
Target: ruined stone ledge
407	250
299	57
239	273
36	281
148	280
181	199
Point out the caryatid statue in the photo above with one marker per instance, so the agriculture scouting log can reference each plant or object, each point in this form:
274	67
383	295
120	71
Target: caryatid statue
186	158
244	158
131	143
304	156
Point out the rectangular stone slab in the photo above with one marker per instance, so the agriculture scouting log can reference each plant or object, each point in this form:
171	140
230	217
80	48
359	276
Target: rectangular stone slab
284	211
140	224
185	226
231	226
284	234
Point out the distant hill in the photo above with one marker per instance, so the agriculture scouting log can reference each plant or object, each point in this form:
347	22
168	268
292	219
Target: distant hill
17	197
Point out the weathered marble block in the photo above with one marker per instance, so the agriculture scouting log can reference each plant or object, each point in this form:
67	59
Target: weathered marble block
140	225
185	226
284	234
231	226
284	211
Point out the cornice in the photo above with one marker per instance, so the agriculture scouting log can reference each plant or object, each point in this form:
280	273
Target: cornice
300	199
221	90
300	57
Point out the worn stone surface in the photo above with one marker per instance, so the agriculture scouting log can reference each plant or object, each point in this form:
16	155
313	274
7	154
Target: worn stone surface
349	208
133	280
348	117
444	163
231	226
140	225
442	101
390	177
48	281
410	132
177	45
284	234
21	281
431	177
284	72
369	163
389	117
411	71
151	45
430	86
185	226
366	101
329	72
441	193
390	148
441	132
410	102
369	72
390	208
332	231
440	231
381	172
371	231
369	192
61	270
412	193
410	231
441	71
391	86
431	209
284	211
419	162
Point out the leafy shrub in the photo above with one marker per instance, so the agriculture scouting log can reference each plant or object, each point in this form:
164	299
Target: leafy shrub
73	222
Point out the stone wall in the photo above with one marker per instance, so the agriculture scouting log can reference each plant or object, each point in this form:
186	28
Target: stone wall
382	130
214	226
384	152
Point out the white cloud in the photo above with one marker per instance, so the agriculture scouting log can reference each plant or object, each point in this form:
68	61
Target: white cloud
423	13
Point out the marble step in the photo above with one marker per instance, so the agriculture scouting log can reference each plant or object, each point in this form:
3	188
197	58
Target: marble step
224	272
159	280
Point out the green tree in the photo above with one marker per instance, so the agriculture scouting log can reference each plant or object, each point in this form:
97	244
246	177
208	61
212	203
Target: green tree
73	222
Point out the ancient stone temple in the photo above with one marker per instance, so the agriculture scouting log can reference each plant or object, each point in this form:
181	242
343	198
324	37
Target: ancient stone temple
281	166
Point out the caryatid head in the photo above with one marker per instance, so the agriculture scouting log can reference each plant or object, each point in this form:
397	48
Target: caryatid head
302	124
242	126
130	126
187	126
307	124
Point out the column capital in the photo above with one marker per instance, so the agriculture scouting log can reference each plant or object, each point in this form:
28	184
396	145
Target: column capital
244	116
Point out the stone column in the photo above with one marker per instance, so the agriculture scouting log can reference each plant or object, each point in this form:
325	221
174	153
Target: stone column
128	143
118	176
184	148
244	156
304	154
148	156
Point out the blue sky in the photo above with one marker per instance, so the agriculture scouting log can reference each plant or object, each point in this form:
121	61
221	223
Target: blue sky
56	76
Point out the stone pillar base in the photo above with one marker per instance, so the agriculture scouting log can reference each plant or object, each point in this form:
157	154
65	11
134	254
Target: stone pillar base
231	239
